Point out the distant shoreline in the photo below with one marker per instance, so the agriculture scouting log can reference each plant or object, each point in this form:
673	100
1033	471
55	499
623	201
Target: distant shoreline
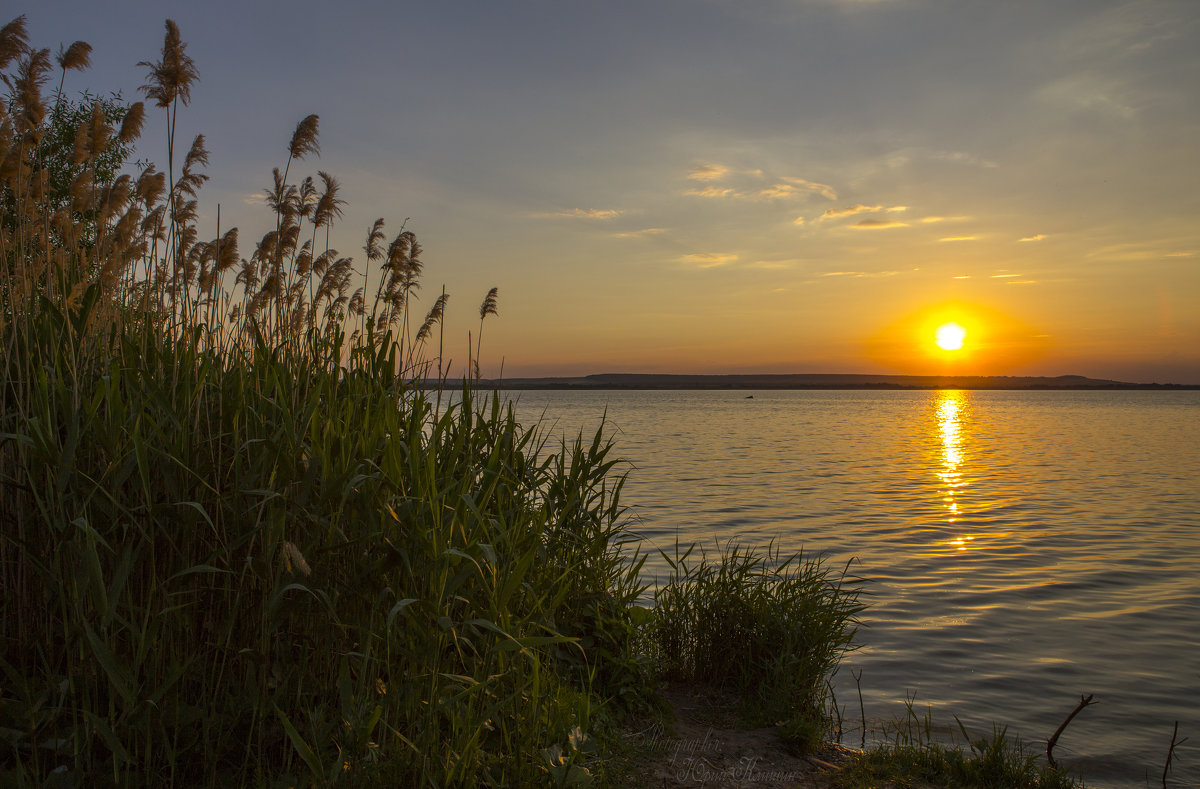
650	381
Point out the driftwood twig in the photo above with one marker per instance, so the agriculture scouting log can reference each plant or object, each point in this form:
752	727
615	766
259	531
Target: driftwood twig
1171	752
1050	743
861	711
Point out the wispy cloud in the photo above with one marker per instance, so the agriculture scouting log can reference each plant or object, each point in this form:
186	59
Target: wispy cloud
778	190
825	190
838	213
1126	29
878	224
1004	276
798	220
593	214
709	259
1091	93
648	231
932	219
1135	252
1038	237
775	265
708	172
860	274
962	157
959	238
714	191
258	198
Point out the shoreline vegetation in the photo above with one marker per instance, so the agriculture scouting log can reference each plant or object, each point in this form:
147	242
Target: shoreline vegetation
241	546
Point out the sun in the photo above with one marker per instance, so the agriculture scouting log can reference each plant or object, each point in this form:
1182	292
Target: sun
950	336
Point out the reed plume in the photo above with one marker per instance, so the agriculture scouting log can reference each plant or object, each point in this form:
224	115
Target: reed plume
304	139
76	57
171	78
30	110
488	307
131	125
432	318
14	42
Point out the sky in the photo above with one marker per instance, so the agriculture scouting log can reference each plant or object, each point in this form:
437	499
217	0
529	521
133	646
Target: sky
725	186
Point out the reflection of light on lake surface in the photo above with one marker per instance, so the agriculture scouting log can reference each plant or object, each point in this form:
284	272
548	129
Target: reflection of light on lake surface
1083	565
950	407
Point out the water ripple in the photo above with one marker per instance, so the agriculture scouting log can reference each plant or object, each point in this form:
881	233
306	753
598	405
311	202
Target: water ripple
1021	548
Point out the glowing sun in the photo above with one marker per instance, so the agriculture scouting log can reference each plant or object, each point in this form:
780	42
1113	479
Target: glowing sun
950	336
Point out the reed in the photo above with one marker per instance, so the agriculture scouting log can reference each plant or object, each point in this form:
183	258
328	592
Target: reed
770	626
241	545
913	755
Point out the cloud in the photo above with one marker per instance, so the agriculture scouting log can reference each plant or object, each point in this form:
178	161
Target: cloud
838	213
1004	276
1124	30
708	172
254	199
716	178
714	191
825	190
961	157
775	265
594	214
931	219
778	190
959	238
708	259
1038	237
878	224
1091	93
835	213
860	274
1138	252
649	231
855	4
798	220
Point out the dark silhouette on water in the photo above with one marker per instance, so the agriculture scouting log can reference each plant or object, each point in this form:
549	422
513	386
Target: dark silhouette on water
819	381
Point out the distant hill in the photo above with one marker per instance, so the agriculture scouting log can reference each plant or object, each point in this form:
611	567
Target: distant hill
818	381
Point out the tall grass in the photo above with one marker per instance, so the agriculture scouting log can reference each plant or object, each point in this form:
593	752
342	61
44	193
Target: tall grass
238	547
913	756
770	626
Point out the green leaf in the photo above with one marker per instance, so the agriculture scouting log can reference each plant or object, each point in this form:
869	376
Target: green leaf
306	752
118	675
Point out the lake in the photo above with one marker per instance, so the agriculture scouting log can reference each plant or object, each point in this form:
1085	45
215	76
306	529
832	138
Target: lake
1021	548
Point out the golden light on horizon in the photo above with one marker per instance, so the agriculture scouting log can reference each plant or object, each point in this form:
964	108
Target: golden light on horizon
956	338
950	336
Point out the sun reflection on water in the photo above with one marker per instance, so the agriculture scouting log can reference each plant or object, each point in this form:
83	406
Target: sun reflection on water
950	406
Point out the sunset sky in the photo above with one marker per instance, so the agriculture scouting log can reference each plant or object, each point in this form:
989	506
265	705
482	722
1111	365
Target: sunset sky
716	186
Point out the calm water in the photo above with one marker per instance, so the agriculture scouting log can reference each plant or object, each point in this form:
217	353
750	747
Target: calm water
1022	548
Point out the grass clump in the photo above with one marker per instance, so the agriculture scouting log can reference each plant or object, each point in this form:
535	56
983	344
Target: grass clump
772	628
915	758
